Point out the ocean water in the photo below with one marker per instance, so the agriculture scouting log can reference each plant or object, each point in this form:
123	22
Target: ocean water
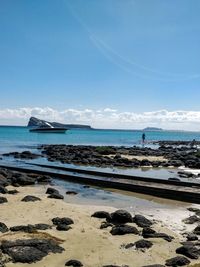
19	138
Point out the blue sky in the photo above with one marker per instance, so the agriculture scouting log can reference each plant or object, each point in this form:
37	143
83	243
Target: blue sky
129	55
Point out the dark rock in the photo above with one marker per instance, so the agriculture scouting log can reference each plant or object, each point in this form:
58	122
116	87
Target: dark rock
176	163
13	192
3	180
71	193
43	179
3	190
64	220
23	228
150	233
86	186
192	219
197	230
102	215
141	221
30	199
123	230
42	226
30	250
3	200
52	190
3	228
143	244
105	225
189	251
63	227
121	216
174	179
192	237
74	263
56	196
193	209
177	261
129	245
154	265
22	179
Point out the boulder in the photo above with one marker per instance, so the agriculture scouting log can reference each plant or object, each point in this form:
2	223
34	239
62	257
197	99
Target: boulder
141	221
63	227
30	199
150	233
56	196
177	261
105	225
3	200
197	230
13	192
189	251
64	220
102	215
192	237
42	226
71	193
143	244
3	190
74	263
43	179
121	216
3	228
23	228
30	250
123	230
52	190
22	179
192	219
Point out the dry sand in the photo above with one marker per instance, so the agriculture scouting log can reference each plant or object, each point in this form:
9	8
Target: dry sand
85	241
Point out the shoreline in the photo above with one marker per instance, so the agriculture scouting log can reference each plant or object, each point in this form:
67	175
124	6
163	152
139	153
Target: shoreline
85	241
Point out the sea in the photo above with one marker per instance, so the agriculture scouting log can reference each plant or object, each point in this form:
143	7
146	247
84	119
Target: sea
14	138
19	139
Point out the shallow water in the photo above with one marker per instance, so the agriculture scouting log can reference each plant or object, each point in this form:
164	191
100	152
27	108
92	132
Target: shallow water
112	197
19	138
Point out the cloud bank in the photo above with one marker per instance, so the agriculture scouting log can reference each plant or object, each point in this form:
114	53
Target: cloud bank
105	118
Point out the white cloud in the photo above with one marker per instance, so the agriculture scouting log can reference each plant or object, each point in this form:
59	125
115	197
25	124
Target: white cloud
106	118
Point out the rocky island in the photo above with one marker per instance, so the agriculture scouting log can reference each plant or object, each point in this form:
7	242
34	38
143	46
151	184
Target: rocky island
35	122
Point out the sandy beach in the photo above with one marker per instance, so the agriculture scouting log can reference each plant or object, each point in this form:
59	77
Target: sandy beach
85	241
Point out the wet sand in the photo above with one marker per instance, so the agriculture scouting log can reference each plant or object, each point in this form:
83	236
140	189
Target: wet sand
150	158
94	247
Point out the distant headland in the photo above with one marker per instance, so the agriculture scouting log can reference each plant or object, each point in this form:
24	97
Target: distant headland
152	129
34	122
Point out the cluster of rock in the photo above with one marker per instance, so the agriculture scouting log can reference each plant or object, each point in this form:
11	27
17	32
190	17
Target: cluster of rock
14	178
8	177
118	222
29	250
176	143
22	155
32	249
109	156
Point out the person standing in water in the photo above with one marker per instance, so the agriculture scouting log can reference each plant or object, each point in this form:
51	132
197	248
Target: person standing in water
143	138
